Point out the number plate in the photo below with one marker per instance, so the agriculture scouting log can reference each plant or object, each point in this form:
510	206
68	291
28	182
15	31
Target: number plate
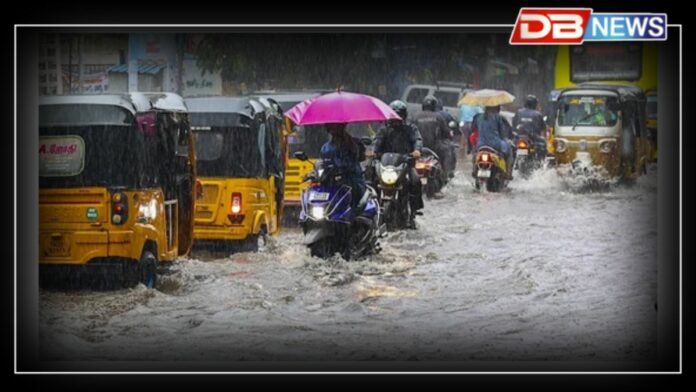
523	152
485	173
57	247
319	196
424	180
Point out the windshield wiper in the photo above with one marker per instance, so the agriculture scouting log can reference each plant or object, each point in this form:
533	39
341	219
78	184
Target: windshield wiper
584	118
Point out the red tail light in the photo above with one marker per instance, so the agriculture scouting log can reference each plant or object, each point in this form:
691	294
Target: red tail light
521	144
236	203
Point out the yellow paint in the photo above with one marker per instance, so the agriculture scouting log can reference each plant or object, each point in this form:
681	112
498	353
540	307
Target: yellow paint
259	208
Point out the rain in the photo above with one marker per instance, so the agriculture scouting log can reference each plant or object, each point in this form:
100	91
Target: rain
551	267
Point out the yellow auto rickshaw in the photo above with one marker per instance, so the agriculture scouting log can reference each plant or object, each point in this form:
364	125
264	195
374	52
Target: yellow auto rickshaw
296	140
240	161
117	180
600	130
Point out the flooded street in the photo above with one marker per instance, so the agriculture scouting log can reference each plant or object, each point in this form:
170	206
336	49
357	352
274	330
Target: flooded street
543	271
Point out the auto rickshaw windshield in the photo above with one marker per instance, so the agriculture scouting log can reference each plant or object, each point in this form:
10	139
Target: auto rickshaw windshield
587	110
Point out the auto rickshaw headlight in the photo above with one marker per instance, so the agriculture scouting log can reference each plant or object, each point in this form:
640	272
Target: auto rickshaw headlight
606	146
560	146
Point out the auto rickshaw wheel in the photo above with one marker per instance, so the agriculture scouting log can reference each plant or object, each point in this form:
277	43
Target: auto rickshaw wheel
147	269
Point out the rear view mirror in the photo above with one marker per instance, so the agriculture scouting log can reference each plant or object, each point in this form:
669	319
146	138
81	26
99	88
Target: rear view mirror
301	155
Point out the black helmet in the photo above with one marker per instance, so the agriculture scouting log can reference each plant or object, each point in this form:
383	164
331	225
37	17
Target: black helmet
531	102
400	108
430	103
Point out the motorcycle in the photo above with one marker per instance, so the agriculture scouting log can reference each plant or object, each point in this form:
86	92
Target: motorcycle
531	154
328	223
391	171
430	171
490	169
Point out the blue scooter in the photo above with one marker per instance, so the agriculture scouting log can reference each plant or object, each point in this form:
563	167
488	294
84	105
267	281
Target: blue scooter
327	220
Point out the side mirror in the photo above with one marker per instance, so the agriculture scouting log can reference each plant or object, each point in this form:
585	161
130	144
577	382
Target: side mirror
366	141
301	155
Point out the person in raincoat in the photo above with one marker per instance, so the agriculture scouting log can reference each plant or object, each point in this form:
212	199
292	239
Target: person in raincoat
529	121
345	153
401	137
437	136
493	131
467	113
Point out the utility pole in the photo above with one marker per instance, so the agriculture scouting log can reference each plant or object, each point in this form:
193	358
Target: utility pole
132	63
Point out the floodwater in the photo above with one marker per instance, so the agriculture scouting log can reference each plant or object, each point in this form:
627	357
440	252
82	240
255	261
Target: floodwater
543	271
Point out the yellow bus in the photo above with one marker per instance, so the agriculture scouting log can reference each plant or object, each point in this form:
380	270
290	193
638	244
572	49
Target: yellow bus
632	63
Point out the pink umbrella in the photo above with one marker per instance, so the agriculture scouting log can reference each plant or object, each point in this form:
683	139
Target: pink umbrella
340	107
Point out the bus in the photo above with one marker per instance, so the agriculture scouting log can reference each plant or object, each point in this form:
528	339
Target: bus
632	63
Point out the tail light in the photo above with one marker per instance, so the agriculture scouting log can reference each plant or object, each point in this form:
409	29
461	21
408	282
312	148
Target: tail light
485	157
236	203
119	208
522	144
421	165
199	190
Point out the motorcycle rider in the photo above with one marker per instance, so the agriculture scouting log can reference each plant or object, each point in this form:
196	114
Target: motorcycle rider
345	153
437	136
492	130
401	137
530	121
456	132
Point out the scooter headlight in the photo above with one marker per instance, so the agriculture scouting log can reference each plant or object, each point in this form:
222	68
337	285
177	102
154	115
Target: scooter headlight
318	212
561	146
389	176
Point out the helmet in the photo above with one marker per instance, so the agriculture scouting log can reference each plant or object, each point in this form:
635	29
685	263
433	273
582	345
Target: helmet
531	102
429	103
400	108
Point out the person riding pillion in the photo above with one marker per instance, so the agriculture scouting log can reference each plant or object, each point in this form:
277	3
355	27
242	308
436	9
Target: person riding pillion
401	137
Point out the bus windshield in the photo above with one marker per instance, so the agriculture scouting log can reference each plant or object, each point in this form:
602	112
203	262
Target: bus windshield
605	61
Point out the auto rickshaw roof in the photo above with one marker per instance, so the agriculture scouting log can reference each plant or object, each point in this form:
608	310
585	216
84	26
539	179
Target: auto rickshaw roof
288	99
625	92
122	100
169	102
135	102
246	106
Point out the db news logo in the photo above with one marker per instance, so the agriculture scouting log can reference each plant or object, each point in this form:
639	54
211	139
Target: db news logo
575	25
